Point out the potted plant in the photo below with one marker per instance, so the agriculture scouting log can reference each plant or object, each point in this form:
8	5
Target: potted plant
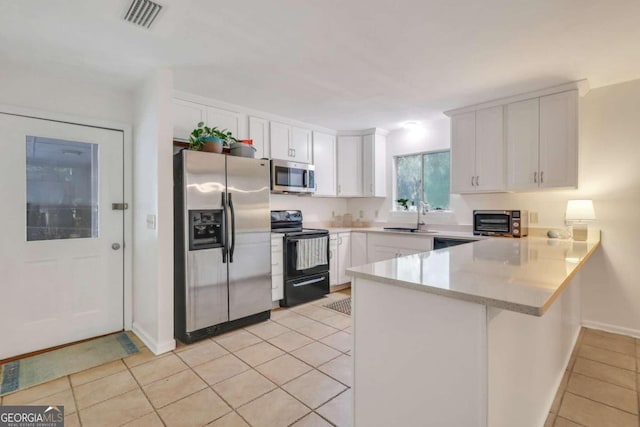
206	139
403	203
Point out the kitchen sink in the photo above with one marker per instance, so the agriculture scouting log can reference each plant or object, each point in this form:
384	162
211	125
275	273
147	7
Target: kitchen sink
410	230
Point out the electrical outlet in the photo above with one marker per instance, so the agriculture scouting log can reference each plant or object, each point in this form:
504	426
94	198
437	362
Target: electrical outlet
533	217
376	213
361	214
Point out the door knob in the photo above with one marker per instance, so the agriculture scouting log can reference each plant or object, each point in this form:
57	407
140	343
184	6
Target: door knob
115	246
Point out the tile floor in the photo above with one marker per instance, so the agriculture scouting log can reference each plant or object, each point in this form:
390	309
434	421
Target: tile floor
293	370
601	386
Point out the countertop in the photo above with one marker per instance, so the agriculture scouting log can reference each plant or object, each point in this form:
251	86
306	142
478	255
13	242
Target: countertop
522	275
428	233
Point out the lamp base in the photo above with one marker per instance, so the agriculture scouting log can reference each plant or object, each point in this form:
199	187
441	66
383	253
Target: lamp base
580	232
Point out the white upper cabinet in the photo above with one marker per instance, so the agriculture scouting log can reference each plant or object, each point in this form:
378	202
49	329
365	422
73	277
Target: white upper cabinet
523	126
374	166
280	141
259	133
463	149
490	150
477	151
350	166
223	119
301	145
186	116
324	159
559	140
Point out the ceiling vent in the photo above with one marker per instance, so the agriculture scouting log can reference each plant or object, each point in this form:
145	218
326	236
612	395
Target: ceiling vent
142	13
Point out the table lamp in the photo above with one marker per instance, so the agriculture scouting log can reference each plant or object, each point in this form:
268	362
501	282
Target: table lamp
578	213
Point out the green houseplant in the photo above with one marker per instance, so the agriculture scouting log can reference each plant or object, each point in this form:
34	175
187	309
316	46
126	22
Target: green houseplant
207	139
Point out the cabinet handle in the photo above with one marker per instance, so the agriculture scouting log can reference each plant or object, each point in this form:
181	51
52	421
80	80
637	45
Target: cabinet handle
477	180
535	177
330	254
339	189
472	184
294	152
541	177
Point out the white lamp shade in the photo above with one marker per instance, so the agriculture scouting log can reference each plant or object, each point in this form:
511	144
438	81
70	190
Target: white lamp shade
580	210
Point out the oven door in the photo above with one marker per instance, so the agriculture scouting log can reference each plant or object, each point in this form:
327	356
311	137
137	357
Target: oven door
308	288
305	255
492	223
291	177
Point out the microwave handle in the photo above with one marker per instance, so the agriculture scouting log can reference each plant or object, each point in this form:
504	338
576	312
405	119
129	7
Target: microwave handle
304	178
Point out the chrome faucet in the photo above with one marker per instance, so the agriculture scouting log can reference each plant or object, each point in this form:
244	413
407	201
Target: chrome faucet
423	208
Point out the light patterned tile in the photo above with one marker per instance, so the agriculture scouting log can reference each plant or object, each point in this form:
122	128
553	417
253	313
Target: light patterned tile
340	368
338	410
274	409
232	419
204	351
314	388
606	373
295	321
283	369
243	388
279	313
259	353
63	398
317	330
221	368
563	422
30	394
97	372
236	340
175	387
555	406
600	391
312	420
341	341
338	321
551	418
590	413
116	411
157	369
314	312
71	420
143	356
104	388
290	341
149	420
316	353
613	358
611	342
268	329
195	410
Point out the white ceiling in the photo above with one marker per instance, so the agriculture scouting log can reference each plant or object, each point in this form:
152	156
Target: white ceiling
343	64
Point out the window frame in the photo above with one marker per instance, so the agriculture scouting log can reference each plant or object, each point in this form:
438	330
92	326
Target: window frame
421	154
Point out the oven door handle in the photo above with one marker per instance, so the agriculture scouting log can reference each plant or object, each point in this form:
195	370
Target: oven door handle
233	228
225	238
308	282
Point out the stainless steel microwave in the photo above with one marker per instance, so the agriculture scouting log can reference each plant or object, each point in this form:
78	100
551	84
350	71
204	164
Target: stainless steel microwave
292	177
501	223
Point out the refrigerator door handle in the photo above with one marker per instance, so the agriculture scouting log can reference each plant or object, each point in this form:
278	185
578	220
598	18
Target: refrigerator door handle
225	223
233	229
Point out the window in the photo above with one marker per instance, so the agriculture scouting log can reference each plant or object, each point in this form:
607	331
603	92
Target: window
427	173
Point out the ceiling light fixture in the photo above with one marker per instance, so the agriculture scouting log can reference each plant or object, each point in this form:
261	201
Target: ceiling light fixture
411	125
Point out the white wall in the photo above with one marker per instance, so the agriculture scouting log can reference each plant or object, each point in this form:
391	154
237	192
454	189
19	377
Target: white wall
609	174
153	195
80	94
314	209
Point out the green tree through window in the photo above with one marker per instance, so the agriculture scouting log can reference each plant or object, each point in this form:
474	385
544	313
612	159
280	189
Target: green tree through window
430	169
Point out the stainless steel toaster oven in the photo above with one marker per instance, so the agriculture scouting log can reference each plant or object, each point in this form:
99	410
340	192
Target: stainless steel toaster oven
501	223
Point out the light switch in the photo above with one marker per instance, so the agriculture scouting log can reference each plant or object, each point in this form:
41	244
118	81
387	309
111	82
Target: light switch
533	217
151	222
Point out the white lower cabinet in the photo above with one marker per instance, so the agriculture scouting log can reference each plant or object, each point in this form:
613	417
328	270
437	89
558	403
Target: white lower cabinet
358	249
277	268
381	247
340	254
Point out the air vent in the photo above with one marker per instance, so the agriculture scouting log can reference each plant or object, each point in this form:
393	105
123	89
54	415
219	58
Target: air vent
142	13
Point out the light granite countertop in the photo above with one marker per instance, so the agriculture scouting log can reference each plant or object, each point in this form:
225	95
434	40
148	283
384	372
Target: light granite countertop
428	233
522	275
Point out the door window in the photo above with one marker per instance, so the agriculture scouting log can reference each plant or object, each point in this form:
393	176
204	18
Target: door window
62	189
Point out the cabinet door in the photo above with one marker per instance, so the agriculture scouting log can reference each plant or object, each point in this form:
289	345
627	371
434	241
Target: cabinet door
380	166
358	249
344	257
522	144
186	116
324	159
368	165
490	150
223	119
333	259
463	146
301	145
259	133
559	140
381	253
349	166
280	136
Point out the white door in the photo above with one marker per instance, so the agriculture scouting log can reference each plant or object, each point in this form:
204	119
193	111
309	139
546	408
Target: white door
280	135
490	151
259	132
349	166
62	244
301	145
333	259
463	149
223	120
324	159
522	144
186	116
344	257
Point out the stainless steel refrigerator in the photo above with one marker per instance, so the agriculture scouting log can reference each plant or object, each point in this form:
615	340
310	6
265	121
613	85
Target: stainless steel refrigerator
222	243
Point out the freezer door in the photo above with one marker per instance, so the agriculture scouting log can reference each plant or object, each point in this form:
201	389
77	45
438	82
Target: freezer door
206	290
249	236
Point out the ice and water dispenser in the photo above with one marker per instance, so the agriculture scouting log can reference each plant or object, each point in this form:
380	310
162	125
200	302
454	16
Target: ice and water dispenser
205	229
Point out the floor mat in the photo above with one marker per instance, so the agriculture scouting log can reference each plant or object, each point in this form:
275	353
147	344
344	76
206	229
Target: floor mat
44	367
343	306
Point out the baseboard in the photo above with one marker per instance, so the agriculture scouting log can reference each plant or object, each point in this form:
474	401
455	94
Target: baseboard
155	347
340	287
611	328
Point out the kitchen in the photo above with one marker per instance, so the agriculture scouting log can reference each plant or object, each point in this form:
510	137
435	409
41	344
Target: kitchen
608	125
